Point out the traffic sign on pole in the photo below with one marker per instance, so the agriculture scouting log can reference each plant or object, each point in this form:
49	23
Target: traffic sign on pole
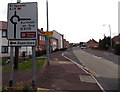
22	30
21	43
48	33
22	21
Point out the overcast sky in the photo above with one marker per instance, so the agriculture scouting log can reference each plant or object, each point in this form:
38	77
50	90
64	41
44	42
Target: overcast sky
78	20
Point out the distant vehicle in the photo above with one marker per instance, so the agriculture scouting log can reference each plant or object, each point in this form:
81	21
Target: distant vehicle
96	47
83	47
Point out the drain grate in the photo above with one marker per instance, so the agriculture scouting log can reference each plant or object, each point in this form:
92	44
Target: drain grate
86	78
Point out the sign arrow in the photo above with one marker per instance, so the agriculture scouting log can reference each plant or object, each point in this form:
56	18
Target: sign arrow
12	43
15	22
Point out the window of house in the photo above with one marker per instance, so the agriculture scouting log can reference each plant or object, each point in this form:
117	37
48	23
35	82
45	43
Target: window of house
4	49
40	37
4	33
43	38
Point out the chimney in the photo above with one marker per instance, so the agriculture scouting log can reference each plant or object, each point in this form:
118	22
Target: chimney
41	29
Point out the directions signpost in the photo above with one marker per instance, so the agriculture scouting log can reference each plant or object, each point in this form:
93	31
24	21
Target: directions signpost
21	43
22	31
22	21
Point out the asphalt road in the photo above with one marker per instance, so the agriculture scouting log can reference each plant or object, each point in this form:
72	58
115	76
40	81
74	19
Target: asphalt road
104	70
106	55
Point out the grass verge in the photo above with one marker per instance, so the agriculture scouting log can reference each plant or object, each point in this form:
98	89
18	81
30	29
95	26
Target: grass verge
3	60
28	64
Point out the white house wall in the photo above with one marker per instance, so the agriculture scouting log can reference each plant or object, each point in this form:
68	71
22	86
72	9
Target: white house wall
59	37
3	42
27	49
0	41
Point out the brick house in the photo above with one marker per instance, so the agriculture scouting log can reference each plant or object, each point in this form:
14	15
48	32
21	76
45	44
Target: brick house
116	39
4	49
40	43
92	43
66	43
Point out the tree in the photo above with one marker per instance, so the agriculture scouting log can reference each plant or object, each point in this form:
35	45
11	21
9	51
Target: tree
105	43
100	40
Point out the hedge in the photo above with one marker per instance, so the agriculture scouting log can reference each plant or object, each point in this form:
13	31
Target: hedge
117	49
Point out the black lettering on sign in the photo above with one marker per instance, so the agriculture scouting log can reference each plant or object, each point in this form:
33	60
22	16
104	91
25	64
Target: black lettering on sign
23	25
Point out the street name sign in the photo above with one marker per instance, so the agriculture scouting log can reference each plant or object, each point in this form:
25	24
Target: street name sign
22	21
21	43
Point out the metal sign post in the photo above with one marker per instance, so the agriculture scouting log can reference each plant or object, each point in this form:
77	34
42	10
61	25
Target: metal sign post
33	66
11	67
47	37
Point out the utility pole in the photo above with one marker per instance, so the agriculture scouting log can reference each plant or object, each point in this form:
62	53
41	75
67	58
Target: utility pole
18	1
110	37
47	37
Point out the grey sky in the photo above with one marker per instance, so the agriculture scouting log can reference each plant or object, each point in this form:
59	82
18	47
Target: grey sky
78	20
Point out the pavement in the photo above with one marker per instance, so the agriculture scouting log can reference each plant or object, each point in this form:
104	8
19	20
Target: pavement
66	76
61	75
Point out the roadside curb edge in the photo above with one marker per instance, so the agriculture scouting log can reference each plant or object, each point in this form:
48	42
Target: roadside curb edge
83	68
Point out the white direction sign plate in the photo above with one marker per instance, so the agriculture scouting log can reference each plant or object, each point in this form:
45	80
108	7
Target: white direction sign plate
21	43
22	21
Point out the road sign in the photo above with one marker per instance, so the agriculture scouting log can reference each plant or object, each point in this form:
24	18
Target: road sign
48	33
28	34
21	42
22	21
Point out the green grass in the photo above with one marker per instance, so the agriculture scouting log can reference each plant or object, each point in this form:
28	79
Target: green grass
28	65
23	59
3	60
5	68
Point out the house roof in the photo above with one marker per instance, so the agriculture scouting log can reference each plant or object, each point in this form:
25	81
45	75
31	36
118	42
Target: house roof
116	38
92	41
58	32
40	31
3	25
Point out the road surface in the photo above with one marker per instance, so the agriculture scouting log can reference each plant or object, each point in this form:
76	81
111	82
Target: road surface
105	71
106	55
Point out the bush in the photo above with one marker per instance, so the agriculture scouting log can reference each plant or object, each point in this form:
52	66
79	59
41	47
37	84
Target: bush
4	60
117	49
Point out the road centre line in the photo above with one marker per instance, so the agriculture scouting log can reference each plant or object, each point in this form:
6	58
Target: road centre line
103	59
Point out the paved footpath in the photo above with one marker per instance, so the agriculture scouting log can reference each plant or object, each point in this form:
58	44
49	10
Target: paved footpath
64	75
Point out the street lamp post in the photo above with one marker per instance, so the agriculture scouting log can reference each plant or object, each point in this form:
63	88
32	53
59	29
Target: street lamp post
110	37
47	37
18	1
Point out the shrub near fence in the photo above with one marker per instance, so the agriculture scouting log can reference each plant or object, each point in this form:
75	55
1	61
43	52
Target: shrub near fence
117	49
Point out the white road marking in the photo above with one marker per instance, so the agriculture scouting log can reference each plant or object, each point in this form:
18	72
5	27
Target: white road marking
103	59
